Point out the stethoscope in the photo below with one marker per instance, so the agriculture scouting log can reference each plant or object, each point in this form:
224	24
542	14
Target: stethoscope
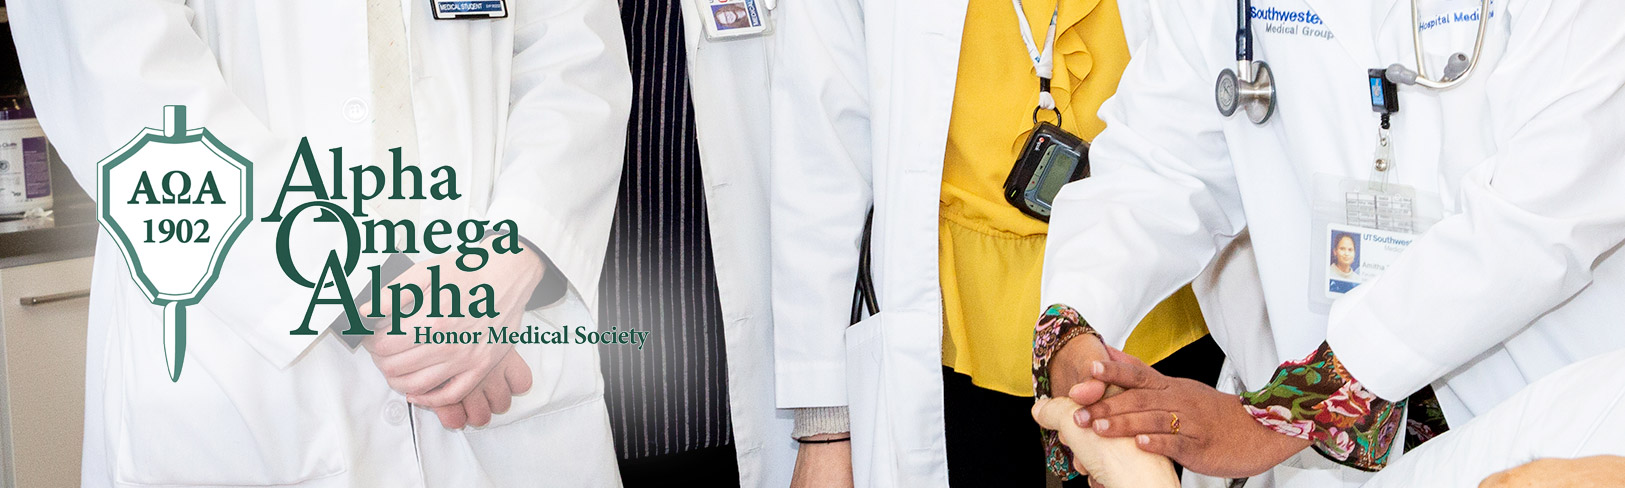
1253	89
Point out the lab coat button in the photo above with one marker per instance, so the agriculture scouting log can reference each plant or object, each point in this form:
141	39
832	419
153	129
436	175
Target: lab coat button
395	413
355	109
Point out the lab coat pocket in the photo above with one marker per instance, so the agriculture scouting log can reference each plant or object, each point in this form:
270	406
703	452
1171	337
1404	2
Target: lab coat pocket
562	375
872	447
231	420
569	446
204	440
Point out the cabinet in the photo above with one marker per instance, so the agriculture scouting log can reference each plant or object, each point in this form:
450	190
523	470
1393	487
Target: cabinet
43	317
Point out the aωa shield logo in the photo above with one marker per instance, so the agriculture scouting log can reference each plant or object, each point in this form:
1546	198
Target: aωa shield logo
174	200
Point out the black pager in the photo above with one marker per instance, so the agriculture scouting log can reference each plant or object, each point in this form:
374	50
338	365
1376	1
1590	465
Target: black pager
1051	158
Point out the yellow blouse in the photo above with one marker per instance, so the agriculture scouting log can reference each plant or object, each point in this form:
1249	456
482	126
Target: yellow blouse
992	254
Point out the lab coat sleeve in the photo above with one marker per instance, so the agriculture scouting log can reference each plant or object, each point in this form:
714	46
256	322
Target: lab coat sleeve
820	193
1136	21
1537	215
1162	197
100	70
566	141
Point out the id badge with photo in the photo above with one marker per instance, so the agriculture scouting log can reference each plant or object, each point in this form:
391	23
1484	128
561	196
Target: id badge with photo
1359	229
731	19
469	9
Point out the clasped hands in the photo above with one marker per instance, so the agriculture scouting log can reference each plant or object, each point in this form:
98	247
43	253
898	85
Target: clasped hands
1201	428
465	384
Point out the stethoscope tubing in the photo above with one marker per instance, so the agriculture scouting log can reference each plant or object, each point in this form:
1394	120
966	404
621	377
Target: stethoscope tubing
1244	30
1478	48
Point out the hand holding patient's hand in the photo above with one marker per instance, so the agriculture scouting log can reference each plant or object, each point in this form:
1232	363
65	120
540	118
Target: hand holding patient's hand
493	395
1110	462
1192	423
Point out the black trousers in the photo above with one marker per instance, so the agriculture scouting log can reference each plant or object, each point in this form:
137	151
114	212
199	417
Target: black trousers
712	466
993	440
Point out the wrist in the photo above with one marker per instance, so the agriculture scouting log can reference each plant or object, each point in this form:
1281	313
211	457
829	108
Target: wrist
547	284
1057	355
1059	327
527	261
1318	402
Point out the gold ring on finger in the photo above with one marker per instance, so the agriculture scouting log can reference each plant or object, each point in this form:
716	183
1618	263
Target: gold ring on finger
1174	424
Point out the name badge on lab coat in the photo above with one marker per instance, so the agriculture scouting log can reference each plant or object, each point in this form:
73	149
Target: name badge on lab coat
1360	228
469	9
731	19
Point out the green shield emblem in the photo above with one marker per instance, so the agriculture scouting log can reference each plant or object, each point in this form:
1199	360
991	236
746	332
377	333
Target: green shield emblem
174	199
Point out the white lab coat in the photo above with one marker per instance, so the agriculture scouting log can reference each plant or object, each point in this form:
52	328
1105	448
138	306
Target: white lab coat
862	96
728	83
530	110
1518	279
1577	411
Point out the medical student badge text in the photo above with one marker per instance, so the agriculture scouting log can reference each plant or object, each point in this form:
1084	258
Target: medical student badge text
174	199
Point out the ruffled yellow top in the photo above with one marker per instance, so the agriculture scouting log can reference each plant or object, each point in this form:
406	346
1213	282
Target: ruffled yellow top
992	254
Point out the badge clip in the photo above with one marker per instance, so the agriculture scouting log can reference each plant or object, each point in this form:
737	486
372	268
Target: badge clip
1383	160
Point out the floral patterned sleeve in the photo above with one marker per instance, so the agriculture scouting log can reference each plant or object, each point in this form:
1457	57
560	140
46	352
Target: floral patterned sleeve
1317	400
1059	325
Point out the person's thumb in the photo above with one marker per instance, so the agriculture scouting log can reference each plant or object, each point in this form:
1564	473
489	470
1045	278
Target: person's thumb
1054	413
516	372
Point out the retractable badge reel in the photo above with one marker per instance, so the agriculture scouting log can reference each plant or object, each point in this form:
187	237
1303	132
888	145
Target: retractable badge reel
1051	157
735	19
1384	101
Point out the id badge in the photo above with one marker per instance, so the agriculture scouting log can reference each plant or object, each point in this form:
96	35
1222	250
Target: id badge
1359	229
469	9
1355	254
731	19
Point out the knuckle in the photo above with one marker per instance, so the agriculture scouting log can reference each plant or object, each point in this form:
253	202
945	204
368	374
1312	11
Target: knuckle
1135	424
1100	409
1136	401
1140	376
1139	424
1163	445
412	387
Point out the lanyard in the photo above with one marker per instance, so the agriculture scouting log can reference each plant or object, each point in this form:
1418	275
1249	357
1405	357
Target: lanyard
1043	61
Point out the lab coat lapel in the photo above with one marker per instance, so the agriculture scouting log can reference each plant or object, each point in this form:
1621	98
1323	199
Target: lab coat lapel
927	53
728	84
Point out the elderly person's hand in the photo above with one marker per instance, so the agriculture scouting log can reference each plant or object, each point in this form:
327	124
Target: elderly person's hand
1587	472
1110	462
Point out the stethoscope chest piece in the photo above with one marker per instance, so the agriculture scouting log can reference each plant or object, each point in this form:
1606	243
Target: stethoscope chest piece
1256	97
1225	92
